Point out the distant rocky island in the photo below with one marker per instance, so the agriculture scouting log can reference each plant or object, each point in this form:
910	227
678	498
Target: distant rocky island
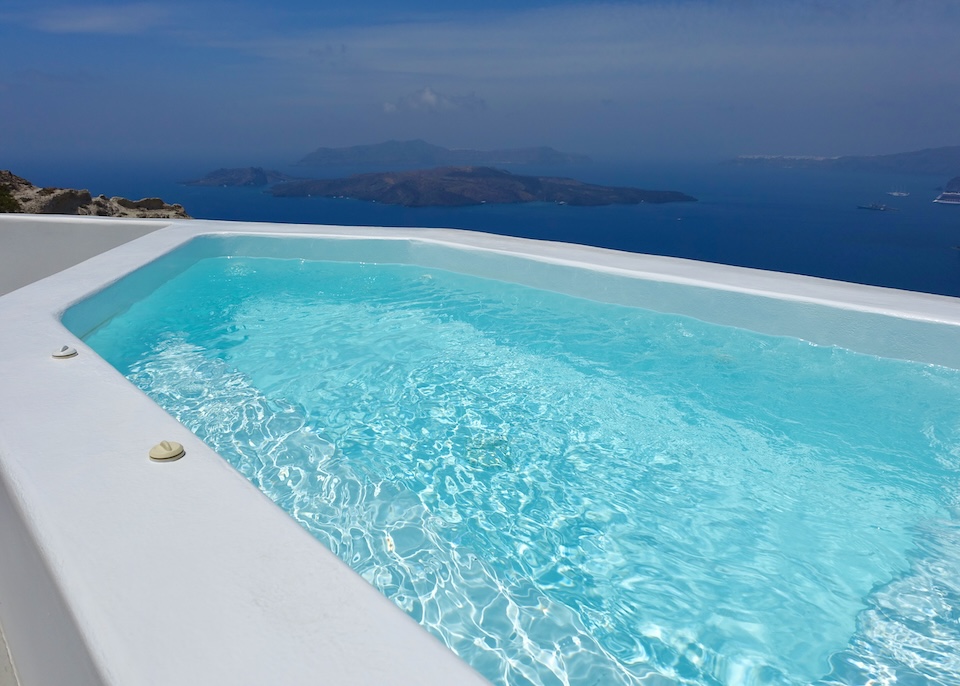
19	195
944	161
240	176
418	153
461	186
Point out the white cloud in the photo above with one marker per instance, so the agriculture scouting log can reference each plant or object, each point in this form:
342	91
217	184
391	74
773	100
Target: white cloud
808	75
429	100
598	50
106	19
722	72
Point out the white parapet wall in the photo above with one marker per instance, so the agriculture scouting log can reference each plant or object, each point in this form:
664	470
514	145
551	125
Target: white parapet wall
35	246
119	570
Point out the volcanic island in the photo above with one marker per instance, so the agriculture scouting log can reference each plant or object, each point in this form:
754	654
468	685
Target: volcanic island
468	185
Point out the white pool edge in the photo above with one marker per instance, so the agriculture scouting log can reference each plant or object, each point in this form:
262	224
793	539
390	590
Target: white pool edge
125	571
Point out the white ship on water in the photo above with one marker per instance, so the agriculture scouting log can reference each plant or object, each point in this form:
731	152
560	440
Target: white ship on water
951	192
949	198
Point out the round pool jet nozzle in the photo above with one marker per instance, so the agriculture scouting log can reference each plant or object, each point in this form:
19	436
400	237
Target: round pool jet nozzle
166	451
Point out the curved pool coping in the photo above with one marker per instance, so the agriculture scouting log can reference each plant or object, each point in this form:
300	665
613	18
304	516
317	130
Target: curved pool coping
119	570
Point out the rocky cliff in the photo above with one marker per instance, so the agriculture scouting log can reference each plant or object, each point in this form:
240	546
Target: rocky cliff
19	195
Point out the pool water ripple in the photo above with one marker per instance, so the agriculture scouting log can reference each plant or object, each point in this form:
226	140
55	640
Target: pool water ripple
573	493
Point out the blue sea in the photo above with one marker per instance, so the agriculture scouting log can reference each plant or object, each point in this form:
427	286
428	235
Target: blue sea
791	220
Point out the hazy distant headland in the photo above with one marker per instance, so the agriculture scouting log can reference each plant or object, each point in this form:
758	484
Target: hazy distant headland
462	186
944	161
19	195
419	153
241	176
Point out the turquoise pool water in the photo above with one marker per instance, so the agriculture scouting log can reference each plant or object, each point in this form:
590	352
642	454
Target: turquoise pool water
568	492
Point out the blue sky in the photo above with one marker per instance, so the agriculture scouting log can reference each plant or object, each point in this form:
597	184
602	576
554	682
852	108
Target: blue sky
245	82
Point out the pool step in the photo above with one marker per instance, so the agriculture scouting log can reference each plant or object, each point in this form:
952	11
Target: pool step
909	631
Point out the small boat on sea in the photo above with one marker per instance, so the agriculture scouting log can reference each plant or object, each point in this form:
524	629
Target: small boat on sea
879	207
898	194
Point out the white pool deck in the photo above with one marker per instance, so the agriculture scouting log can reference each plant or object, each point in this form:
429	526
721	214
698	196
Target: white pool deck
117	570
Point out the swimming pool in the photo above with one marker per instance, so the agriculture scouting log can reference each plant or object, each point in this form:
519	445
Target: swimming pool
119	570
564	487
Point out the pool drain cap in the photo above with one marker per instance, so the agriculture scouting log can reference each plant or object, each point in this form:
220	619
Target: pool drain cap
166	451
64	352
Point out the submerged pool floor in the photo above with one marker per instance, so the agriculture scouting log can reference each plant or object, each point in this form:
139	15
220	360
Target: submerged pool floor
568	492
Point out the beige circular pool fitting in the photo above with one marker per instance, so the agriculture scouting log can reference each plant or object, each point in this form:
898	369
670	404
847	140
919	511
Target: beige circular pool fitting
65	352
166	451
